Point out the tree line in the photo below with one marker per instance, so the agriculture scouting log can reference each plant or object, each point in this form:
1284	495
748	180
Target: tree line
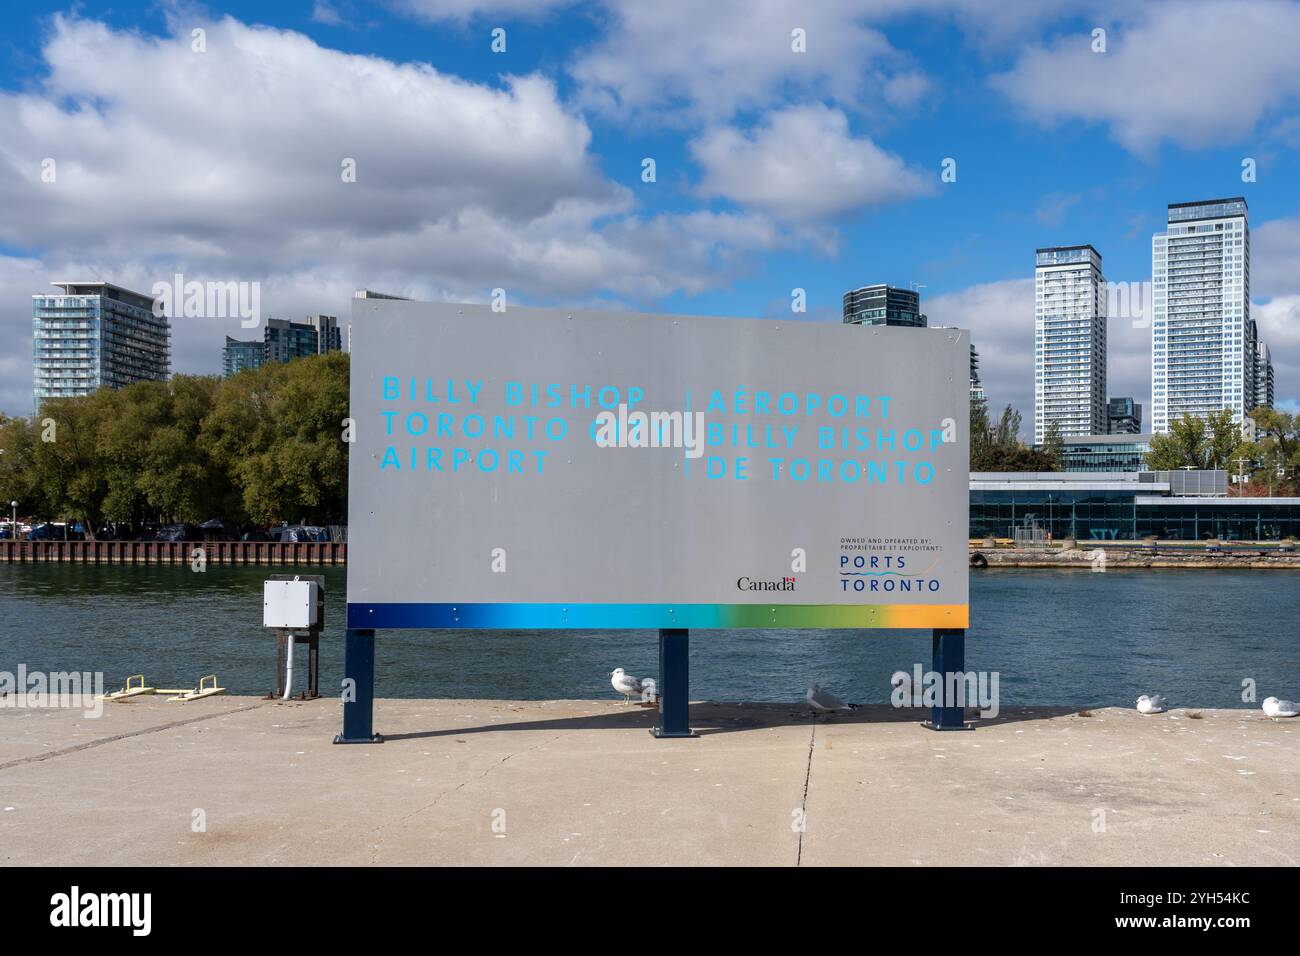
1269	462
266	447
995	444
260	448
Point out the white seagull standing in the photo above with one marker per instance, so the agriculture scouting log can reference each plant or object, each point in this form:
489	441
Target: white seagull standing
824	701
1280	708
625	684
1152	704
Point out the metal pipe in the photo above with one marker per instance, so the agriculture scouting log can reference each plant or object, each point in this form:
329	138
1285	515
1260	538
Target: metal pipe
288	669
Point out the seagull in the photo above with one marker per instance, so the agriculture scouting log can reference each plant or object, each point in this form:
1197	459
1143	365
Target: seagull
1153	704
824	700
1280	708
624	683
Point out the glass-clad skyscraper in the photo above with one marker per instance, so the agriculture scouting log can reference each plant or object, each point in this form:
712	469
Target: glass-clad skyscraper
1202	336
1069	342
241	354
1263	376
1123	417
285	340
93	335
883	305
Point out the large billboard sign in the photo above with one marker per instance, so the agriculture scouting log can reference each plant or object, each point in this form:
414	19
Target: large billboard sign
539	468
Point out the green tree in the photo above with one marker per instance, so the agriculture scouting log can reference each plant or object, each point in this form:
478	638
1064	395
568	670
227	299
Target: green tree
1226	441
1276	452
980	433
1054	445
997	445
65	464
264	446
180	478
277	431
1192	442
17	475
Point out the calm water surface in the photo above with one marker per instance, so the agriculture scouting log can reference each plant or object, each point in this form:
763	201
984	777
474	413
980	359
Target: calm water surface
1063	637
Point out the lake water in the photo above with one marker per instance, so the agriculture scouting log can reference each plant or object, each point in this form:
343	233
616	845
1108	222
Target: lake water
1066	637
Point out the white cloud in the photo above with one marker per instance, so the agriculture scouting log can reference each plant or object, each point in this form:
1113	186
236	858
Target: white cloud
253	133
1053	208
803	164
325	13
19	278
1275	275
707	61
1195	73
461	10
1275	258
1278	321
691	62
1000	317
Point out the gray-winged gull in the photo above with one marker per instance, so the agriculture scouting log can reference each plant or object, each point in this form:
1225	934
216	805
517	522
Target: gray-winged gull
1280	708
1152	704
824	701
625	684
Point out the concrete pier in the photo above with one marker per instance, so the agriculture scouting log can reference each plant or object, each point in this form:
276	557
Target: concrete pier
233	780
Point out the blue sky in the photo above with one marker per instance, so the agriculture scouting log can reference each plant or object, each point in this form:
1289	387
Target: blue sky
775	169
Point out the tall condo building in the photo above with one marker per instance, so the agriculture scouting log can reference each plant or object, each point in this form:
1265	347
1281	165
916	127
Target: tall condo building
242	354
1069	342
93	335
1263	376
286	340
883	305
283	341
1202	337
1123	417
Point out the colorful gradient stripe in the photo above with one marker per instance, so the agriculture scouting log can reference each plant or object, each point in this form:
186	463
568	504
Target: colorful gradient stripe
596	616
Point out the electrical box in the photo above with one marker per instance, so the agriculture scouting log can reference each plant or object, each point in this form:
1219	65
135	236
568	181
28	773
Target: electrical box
290	604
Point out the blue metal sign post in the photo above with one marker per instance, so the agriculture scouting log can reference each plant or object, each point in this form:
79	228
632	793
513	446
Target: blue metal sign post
359	689
675	681
948	657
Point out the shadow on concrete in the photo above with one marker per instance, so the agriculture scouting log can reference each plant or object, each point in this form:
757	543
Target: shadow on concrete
721	718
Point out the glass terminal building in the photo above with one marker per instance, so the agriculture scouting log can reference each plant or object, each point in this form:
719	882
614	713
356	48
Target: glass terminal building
1097	453
1126	506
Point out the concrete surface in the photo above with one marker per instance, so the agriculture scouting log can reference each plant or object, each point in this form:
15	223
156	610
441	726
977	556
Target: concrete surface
579	782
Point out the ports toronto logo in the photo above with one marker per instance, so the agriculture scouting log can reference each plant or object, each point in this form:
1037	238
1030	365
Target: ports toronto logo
884	573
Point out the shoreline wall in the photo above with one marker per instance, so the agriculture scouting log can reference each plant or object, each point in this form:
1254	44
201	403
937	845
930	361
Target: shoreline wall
1133	557
268	553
